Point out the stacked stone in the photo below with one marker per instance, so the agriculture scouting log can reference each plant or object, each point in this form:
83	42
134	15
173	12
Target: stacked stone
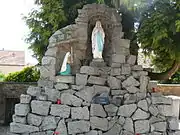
130	109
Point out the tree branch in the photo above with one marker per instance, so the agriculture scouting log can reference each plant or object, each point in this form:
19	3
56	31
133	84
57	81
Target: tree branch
167	74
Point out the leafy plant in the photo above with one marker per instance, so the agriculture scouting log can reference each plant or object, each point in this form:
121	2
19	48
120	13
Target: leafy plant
175	79
28	74
2	76
159	35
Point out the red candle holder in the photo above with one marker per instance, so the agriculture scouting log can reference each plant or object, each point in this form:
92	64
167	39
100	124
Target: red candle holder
56	133
153	89
58	101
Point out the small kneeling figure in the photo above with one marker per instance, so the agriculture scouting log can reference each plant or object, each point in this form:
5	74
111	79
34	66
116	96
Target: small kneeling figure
66	68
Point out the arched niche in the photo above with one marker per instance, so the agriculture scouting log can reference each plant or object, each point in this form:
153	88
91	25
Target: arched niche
108	29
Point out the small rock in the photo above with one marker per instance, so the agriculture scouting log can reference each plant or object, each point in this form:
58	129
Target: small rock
140	115
131	59
118	92
97	110
112	121
25	99
48	123
115	71
127	110
121	77
137	68
173	124
99	123
61	128
78	127
161	100
42	97
37	133
80	113
18	119
114	83
22	109
33	119
62	111
130	98
92	132
81	79
141	95
153	110
86	94
117	58
52	94
121	120
111	109
96	80
144	83
142	126
40	107
77	87
166	110
143	105
89	70
22	128
33	91
117	100
160	126
132	89
65	79
128	125
69	99
126	69
61	86
115	130
130	82
44	83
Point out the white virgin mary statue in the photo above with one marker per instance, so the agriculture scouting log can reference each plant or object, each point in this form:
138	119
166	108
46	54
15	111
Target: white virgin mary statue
97	38
66	68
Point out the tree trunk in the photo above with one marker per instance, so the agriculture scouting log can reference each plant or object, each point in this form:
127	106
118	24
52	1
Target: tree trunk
167	74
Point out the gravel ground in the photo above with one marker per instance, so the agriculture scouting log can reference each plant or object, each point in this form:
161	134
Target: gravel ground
4	130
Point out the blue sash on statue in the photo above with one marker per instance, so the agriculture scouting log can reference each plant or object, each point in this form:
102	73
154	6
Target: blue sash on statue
99	41
67	72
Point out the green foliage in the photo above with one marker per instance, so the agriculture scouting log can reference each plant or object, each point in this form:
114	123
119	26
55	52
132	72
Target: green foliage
28	74
100	1
131	12
2	76
159	33
175	79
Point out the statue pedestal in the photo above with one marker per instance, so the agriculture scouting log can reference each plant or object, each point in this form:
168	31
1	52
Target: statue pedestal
97	63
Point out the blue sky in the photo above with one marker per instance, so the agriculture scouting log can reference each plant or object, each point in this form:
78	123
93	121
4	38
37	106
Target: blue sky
12	28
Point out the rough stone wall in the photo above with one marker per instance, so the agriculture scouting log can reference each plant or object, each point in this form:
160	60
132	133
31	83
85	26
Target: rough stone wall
10	90
13	90
130	106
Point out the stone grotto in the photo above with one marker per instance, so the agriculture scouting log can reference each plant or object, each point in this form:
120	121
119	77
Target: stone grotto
113	96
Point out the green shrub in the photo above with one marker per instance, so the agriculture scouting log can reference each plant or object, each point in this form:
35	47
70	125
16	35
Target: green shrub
2	76
28	74
175	79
